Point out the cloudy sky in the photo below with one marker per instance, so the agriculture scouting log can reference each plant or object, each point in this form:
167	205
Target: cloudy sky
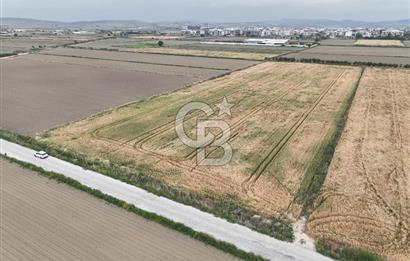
206	10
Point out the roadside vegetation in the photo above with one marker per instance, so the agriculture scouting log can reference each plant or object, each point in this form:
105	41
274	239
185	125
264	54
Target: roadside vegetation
228	207
345	253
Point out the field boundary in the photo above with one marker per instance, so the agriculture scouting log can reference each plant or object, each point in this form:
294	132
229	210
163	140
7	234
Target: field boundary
335	62
208	240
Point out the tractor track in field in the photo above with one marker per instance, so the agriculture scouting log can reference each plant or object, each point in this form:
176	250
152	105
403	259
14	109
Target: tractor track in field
254	111
401	225
153	133
149	135
96	132
170	126
249	182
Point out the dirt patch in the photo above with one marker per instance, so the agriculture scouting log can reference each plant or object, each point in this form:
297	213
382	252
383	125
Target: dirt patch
365	201
45	220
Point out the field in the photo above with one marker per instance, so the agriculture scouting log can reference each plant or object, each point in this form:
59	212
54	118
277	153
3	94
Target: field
341	42
171	60
365	200
203	53
379	43
387	55
45	220
190	47
299	105
43	91
25	43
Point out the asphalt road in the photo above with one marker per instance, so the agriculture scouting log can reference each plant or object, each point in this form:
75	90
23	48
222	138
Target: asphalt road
240	236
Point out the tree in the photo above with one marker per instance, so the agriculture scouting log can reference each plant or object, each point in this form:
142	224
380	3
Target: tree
359	35
160	43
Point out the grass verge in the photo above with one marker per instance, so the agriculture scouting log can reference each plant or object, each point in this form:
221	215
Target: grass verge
221	245
227	207
345	253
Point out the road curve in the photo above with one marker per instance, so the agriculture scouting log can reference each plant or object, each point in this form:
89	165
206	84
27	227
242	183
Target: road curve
240	236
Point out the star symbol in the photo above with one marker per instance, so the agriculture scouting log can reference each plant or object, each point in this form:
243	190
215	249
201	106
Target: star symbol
224	107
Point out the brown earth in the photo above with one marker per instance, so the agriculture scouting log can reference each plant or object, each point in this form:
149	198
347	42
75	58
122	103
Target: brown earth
365	201
45	220
297	104
42	91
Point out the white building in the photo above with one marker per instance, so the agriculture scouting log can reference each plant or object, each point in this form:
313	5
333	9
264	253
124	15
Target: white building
277	42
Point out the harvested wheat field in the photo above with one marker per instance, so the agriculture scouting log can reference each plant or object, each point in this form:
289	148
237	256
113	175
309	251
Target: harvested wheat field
283	116
365	200
379	42
44	220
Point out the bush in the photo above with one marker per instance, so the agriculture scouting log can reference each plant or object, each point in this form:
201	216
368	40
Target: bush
160	43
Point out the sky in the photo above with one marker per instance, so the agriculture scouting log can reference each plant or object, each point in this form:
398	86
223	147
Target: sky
206	10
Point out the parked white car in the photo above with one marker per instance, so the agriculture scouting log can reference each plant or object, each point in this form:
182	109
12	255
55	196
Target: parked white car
41	154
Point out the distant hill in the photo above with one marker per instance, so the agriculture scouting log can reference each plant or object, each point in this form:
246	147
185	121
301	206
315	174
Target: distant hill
103	24
109	24
340	23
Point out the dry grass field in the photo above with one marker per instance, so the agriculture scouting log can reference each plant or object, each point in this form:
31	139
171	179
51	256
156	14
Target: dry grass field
365	200
44	220
379	42
204	53
298	105
385	55
42	91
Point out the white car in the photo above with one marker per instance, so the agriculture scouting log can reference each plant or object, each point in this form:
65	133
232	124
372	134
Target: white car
41	154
